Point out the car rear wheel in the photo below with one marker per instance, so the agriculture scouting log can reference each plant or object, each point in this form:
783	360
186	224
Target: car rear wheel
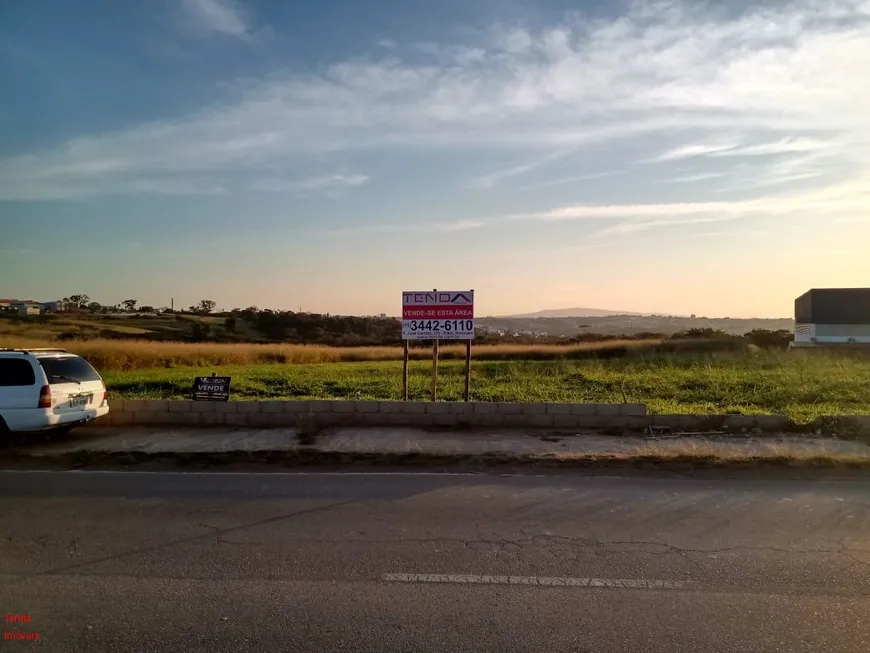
62	431
5	435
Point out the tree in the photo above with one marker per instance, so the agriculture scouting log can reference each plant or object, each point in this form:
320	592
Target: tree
130	304
79	301
205	306
145	309
200	331
95	307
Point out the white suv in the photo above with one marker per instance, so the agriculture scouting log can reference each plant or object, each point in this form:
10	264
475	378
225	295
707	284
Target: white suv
44	389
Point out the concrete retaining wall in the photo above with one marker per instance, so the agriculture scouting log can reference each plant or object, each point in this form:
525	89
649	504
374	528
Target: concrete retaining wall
126	412
444	414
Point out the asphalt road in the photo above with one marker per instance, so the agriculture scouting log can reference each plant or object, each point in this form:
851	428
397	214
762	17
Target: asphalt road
121	561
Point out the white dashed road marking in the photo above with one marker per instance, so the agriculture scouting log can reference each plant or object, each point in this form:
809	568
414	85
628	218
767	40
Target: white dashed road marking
543	581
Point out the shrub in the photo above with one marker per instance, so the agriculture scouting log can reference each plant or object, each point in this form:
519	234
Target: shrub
768	339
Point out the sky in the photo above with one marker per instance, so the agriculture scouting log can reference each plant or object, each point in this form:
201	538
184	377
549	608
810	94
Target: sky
673	157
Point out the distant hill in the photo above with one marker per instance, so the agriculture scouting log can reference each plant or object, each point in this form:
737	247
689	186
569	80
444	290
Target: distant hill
623	325
574	312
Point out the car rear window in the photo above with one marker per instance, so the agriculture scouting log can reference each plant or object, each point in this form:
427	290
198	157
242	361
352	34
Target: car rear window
68	370
16	371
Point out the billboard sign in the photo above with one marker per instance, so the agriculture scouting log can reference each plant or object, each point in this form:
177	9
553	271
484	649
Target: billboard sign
438	315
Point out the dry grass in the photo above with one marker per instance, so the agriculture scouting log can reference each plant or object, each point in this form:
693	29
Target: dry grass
144	354
111	326
696	452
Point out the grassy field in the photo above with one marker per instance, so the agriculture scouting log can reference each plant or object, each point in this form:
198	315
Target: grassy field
108	354
673	376
802	387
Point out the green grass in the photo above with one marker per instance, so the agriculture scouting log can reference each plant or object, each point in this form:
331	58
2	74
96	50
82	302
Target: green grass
800	386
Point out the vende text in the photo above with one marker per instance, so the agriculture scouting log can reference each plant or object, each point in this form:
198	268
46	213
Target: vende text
431	313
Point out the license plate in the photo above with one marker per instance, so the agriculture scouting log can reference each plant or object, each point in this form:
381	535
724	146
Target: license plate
78	402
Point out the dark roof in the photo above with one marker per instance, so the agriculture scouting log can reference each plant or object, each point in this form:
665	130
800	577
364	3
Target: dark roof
833	306
838	290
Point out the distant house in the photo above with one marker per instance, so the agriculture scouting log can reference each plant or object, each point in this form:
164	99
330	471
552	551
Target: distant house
6	304
52	307
25	310
25	307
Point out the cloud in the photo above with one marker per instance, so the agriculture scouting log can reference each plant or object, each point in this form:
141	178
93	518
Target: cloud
703	176
846	199
730	234
612	211
71	188
225	17
782	146
322	183
814	167
676	82
687	151
624	228
491	179
569	180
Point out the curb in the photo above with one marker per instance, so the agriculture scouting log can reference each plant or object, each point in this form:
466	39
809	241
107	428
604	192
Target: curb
327	413
306	457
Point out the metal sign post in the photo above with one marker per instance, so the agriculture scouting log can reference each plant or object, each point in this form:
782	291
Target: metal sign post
405	372
435	363
468	370
434	369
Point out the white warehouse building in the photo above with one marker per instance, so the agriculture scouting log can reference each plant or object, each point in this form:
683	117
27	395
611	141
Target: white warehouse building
832	316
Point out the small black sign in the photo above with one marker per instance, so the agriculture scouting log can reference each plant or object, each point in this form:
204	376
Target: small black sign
211	388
